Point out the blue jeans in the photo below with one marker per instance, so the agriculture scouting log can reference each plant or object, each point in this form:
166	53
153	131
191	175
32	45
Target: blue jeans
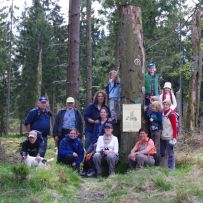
88	139
167	154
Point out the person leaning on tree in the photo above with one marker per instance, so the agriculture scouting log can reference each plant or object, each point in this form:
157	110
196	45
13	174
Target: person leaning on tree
67	119
39	119
152	85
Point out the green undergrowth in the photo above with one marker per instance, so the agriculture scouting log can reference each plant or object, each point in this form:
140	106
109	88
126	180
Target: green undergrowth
56	184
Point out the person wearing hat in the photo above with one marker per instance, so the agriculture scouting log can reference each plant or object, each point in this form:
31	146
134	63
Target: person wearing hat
143	152
167	93
168	136
32	146
107	150
39	119
152	85
67	119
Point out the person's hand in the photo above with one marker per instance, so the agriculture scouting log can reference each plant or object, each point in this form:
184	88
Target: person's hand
38	158
96	121
106	152
75	154
73	164
151	119
132	156
95	145
56	138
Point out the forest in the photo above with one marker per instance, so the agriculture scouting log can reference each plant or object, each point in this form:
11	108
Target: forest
36	54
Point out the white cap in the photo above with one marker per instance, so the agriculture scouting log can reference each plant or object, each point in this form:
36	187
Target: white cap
32	133
167	85
168	101
70	100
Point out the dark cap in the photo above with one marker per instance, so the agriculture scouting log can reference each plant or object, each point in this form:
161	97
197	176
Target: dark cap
42	99
151	65
108	125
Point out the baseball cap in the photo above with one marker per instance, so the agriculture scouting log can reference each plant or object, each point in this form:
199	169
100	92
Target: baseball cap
32	133
70	100
42	99
151	65
108	125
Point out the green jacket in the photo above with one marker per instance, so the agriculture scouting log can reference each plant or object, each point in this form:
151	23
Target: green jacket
148	84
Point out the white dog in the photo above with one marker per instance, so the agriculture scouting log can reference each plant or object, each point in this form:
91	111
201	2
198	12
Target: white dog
41	162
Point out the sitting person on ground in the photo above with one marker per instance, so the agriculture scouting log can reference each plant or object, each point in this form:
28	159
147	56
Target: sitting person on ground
168	136
113	90
106	150
33	146
143	152
155	124
89	167
71	150
169	95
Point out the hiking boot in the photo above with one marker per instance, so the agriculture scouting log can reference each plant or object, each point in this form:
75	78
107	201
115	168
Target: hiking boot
91	173
112	174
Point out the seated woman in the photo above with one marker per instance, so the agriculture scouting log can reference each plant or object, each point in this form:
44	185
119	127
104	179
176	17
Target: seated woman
71	150
33	146
143	152
89	167
106	150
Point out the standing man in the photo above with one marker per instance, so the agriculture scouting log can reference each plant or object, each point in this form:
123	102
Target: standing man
39	119
67	119
152	86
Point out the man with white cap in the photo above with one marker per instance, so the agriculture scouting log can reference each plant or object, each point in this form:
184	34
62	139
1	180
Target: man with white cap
67	119
169	95
32	146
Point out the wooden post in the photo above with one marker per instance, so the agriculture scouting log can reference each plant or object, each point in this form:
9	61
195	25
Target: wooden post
132	65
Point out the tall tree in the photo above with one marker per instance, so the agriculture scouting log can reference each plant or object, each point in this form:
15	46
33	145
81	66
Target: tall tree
73	49
89	53
132	63
195	84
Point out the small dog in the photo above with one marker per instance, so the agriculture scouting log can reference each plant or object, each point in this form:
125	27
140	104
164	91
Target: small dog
41	163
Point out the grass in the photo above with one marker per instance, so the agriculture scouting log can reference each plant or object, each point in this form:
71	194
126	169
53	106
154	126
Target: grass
149	185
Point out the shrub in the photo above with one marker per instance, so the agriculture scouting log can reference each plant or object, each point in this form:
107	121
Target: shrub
20	172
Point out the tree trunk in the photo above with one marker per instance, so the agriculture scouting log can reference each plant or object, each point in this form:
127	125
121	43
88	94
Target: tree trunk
195	84
89	53
132	65
73	49
39	76
9	69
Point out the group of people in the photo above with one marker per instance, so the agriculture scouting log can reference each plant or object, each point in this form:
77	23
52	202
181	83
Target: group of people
101	148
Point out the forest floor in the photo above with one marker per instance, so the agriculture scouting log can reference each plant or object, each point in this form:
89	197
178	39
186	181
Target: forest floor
61	184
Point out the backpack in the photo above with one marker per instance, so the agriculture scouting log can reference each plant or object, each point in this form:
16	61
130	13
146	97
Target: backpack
177	120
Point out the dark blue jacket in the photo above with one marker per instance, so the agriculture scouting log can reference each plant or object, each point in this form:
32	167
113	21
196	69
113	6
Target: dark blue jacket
67	146
39	120
92	112
98	131
155	120
32	149
58	123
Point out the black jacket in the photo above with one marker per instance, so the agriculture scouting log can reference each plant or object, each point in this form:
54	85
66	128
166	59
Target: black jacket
57	130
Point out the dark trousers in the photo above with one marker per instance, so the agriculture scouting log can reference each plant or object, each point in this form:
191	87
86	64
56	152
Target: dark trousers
44	146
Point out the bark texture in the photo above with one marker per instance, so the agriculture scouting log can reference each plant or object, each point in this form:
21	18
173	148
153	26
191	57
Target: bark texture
89	53
195	84
39	76
73	49
132	65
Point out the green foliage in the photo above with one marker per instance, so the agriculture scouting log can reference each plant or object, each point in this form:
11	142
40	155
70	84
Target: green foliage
20	172
162	184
